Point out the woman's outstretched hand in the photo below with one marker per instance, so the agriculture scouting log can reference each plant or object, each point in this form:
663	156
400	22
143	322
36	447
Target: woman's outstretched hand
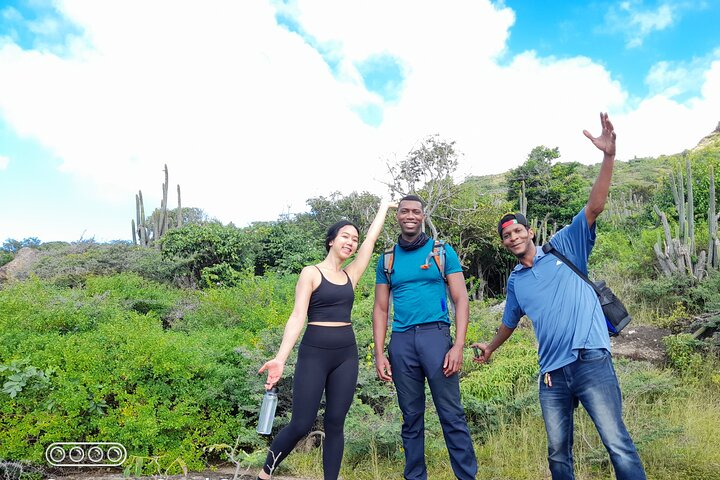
274	369
388	204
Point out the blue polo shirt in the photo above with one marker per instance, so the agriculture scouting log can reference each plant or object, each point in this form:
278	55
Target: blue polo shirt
564	310
419	295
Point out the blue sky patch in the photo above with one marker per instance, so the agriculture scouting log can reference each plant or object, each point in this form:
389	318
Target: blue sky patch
36	25
327	53
370	114
289	23
628	37
382	74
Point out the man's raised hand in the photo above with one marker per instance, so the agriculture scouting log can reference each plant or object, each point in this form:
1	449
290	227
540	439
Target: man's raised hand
606	140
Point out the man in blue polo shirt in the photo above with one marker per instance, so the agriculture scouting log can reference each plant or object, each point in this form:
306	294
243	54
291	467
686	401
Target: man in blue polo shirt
420	346
574	347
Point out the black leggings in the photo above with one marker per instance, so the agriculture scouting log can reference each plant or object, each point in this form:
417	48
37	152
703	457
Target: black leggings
327	360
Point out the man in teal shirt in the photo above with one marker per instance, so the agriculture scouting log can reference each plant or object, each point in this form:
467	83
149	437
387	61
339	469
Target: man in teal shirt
421	347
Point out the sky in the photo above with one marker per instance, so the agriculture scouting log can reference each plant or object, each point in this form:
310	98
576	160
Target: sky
256	106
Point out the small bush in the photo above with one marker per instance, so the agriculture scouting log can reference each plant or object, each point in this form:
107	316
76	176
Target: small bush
382	440
664	293
682	353
5	257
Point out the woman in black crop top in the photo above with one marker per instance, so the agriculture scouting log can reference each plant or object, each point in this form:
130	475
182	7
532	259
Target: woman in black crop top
327	357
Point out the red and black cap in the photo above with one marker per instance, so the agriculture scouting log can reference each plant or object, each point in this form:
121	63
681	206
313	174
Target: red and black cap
511	219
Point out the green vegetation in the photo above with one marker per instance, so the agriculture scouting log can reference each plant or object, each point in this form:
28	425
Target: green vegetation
158	348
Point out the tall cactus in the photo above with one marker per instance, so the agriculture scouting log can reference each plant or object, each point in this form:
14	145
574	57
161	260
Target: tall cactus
523	199
690	205
713	255
620	207
179	209
144	234
542	234
678	193
163	220
142	229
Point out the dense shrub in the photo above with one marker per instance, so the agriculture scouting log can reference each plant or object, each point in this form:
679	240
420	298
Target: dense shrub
253	304
85	365
196	248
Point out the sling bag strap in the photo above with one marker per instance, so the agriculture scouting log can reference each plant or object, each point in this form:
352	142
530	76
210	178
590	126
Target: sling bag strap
549	248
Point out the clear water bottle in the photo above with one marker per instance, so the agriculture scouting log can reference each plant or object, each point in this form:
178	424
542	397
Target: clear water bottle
267	411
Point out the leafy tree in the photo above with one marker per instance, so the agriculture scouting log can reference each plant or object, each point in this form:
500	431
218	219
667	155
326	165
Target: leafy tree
13	246
427	170
568	192
535	174
554	192
469	222
358	208
287	245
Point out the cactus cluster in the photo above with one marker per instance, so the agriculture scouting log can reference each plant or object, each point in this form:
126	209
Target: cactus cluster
676	255
146	231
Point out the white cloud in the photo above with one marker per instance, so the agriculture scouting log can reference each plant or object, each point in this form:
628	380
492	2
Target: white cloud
660	124
636	22
252	122
672	79
4	162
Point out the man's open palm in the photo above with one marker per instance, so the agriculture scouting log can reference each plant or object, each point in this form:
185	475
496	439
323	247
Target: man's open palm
606	140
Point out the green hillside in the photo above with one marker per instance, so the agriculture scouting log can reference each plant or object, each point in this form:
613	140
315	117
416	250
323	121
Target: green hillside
158	347
641	176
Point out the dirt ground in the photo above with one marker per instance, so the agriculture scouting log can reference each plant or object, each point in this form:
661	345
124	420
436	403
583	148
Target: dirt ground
641	342
116	474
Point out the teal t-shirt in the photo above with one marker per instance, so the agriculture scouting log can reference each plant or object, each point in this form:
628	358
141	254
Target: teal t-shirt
418	294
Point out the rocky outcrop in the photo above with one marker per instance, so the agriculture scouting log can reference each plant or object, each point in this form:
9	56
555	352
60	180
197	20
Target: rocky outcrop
19	267
709	140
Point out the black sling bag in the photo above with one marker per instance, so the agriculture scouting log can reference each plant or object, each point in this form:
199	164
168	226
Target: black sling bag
616	315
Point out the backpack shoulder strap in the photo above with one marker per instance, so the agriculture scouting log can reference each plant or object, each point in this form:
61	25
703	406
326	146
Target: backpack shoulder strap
438	255
388	261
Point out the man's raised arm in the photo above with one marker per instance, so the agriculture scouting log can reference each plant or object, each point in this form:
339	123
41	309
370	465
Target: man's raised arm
598	195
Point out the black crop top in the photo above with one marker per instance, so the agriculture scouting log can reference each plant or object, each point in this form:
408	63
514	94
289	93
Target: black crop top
331	302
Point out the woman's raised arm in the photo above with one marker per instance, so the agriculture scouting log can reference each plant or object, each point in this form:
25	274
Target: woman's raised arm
357	267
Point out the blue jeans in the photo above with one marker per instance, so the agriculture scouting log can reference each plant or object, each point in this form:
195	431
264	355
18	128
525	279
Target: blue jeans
590	380
415	355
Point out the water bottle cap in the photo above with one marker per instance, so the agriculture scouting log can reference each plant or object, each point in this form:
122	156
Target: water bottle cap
273	390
